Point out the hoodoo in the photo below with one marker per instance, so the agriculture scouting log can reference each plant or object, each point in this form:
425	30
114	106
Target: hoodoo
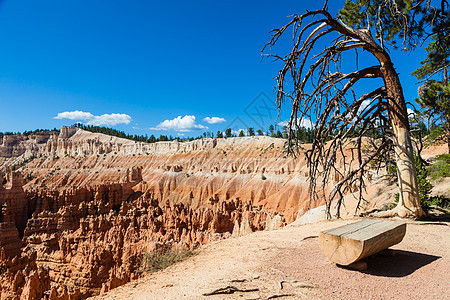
80	209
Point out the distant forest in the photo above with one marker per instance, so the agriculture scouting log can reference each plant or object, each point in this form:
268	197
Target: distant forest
121	134
304	134
28	132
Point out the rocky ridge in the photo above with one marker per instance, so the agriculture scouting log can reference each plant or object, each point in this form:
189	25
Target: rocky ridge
194	173
80	209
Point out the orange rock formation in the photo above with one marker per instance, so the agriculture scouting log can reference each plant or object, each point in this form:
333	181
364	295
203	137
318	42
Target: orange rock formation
82	208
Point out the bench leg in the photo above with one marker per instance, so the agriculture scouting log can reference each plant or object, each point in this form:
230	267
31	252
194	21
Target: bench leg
357	265
387	252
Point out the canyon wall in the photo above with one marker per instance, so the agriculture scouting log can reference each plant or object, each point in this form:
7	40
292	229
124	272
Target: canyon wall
192	173
80	209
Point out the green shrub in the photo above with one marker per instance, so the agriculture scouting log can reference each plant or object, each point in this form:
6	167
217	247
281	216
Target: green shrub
422	181
441	167
444	157
396	199
162	258
434	134
440	201
263	177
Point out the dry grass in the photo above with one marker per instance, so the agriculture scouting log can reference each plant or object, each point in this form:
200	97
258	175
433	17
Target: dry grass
162	258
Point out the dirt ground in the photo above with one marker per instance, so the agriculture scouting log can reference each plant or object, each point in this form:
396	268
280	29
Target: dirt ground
288	264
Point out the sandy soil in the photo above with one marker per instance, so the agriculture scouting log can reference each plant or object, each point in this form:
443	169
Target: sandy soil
260	261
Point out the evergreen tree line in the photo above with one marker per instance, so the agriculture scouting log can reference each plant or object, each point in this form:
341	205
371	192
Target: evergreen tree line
29	132
304	135
121	134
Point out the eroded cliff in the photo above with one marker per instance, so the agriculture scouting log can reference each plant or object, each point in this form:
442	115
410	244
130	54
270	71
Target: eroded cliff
80	209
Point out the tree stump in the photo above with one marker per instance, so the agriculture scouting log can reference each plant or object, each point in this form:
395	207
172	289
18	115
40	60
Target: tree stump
347	244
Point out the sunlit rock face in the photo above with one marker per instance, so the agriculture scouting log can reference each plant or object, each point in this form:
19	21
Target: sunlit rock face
80	209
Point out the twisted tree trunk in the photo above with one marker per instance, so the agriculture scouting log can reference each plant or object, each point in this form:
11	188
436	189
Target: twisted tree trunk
447	116
409	200
330	118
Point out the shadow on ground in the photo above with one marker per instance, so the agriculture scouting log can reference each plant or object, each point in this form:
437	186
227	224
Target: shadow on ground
402	264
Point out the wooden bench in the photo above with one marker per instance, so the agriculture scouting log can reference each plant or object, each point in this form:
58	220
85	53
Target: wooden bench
348	244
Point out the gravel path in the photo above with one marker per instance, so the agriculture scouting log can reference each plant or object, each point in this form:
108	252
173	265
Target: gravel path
288	264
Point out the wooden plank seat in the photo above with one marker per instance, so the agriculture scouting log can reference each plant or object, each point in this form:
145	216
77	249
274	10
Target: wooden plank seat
347	244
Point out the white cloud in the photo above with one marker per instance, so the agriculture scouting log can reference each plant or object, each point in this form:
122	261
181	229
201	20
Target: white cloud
410	112
75	115
214	120
110	119
105	119
365	104
304	123
181	124
237	132
307	123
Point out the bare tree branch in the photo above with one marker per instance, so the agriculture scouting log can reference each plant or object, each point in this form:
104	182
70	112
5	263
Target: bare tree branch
350	132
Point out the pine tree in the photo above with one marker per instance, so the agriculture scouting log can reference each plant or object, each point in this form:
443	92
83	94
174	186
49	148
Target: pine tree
434	94
318	87
271	131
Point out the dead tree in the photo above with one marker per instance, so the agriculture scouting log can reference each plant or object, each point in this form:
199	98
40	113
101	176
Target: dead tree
321	87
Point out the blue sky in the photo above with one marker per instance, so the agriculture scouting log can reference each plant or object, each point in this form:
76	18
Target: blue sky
146	67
